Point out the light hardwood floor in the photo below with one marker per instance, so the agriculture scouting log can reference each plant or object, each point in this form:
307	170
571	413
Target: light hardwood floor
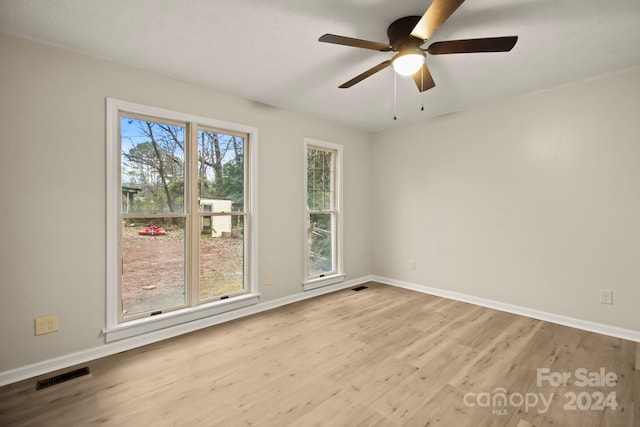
383	356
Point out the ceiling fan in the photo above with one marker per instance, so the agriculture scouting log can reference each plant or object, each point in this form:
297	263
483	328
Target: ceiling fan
408	34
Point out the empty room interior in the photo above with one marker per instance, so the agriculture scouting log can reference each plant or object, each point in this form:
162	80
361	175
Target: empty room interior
248	213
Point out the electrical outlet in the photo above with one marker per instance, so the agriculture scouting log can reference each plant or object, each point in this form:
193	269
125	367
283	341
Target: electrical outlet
47	324
268	281
412	264
606	297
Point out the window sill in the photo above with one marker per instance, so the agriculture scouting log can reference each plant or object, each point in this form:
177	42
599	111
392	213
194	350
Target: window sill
323	281
178	317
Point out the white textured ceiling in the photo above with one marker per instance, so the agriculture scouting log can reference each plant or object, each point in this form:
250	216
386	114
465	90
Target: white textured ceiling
267	50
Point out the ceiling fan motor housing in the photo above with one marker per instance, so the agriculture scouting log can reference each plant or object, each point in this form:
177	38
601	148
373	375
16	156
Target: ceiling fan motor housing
399	33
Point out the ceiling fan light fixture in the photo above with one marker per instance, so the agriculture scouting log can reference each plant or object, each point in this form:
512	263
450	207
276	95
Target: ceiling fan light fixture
407	64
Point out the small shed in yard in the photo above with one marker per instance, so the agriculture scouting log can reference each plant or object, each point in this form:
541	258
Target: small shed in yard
127	197
215	225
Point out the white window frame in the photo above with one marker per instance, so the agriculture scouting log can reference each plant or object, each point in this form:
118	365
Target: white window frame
338	276
116	329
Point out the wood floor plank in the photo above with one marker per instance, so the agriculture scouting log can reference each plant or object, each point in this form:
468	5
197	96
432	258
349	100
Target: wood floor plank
341	409
446	408
401	402
384	356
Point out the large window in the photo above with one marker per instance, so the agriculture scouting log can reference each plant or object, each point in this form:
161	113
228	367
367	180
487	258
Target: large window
180	215
323	231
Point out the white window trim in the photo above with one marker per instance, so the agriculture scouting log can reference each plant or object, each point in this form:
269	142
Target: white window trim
115	330
339	275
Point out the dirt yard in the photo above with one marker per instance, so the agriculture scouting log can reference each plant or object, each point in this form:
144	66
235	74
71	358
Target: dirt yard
153	269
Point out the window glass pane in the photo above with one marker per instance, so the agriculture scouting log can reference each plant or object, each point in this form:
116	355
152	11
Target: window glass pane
221	255
220	170
320	245
153	264
152	166
319	180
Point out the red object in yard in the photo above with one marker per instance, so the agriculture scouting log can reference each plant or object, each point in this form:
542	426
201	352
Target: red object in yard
152	230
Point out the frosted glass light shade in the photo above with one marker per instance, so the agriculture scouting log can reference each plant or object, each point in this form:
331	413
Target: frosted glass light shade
408	64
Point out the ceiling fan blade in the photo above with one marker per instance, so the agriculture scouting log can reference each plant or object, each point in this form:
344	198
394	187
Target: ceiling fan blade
490	44
423	79
368	73
349	41
436	14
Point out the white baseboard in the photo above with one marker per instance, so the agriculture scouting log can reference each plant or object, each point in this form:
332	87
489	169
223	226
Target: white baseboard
599	328
108	349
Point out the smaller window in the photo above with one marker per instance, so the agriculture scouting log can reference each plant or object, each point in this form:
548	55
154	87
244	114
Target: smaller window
323	219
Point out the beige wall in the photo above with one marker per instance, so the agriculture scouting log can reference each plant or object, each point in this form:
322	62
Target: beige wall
533	201
52	187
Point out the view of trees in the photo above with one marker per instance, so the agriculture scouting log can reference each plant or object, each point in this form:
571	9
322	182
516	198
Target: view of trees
153	163
221	167
153	166
320	219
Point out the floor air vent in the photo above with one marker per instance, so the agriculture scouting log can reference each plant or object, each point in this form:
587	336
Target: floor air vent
67	376
359	288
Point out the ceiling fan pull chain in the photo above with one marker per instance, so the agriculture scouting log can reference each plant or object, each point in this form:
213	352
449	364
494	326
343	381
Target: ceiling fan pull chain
395	96
422	89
